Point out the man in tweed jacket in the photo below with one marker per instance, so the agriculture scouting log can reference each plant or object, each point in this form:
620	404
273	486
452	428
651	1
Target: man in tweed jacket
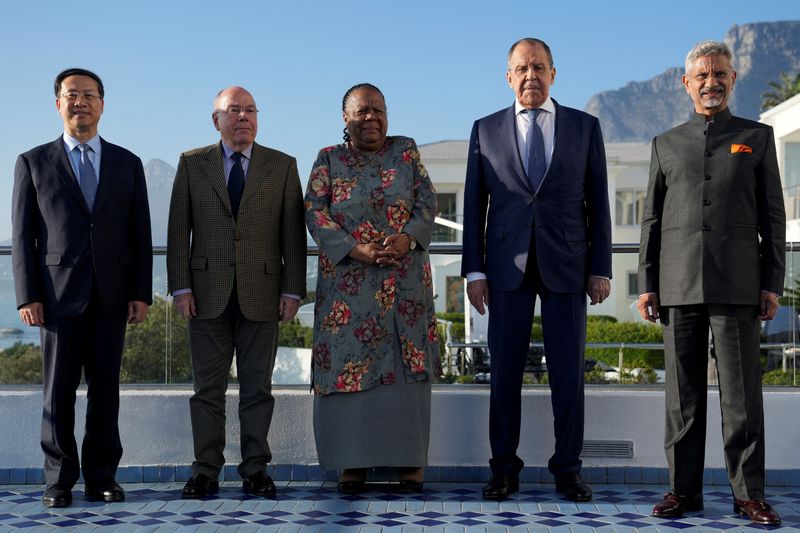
236	262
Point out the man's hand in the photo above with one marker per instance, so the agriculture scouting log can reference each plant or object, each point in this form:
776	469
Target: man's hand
598	289
478	293
648	306
769	305
287	308
184	303
137	311
32	314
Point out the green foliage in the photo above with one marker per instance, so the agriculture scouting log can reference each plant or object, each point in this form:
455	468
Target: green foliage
295	335
21	364
784	89
602	331
778	377
147	344
601	318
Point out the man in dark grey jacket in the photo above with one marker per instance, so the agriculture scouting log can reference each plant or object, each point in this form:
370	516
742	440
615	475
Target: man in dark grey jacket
712	255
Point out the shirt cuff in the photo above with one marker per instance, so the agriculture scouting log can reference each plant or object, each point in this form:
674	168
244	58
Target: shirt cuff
290	295
475	276
181	291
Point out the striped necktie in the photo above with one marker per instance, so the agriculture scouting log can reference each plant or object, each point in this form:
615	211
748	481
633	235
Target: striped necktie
534	141
88	177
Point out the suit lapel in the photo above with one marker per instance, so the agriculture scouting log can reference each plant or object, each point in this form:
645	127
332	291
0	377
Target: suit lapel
214	168
508	133
257	172
60	160
564	123
108	161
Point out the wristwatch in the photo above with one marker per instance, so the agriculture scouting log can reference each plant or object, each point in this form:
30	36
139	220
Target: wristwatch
412	242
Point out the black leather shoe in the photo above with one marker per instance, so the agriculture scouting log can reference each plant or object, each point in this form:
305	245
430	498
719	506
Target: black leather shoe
571	485
501	486
107	492
674	505
352	486
55	496
259	484
199	486
758	510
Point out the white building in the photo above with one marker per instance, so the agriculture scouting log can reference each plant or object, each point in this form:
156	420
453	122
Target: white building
628	165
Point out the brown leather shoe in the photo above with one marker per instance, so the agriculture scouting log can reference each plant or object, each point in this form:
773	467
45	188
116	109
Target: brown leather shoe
674	505
758	510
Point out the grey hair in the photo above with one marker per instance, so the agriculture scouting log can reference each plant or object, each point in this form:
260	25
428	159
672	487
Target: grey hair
707	48
531	41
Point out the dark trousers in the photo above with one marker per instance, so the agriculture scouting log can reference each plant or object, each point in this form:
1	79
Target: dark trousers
212	344
92	342
736	346
564	327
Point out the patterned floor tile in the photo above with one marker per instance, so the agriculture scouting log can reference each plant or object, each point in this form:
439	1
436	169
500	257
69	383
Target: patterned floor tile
443	507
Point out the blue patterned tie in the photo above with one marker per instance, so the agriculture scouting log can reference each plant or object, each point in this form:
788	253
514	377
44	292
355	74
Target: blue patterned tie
88	177
534	140
236	183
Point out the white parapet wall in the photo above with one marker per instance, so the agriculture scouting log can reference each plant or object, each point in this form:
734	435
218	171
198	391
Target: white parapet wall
156	430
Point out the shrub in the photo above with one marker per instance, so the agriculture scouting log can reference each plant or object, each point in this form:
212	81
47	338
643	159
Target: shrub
625	332
778	377
21	364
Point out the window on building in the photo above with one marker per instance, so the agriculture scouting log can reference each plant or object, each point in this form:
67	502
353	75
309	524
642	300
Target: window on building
633	285
630	207
446	202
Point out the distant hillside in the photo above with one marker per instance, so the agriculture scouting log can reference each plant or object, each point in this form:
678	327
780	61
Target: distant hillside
159	189
642	109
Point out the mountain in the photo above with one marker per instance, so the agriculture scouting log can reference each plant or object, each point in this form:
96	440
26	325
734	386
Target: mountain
159	177
642	109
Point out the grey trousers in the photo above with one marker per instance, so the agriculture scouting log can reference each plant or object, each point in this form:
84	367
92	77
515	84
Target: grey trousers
212	344
735	330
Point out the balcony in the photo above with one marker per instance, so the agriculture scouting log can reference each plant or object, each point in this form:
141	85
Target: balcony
623	453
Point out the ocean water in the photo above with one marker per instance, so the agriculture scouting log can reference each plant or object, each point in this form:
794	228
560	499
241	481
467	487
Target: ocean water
9	316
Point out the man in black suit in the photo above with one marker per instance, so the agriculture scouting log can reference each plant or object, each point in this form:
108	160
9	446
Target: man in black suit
712	256
82	260
536	223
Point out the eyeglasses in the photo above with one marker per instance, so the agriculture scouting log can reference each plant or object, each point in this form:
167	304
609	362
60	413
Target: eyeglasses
521	70
72	96
235	110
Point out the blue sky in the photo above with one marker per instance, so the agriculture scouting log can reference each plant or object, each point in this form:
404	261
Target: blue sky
440	63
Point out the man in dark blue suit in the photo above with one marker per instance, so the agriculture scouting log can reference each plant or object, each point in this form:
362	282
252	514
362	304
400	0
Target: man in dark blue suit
82	260
536	222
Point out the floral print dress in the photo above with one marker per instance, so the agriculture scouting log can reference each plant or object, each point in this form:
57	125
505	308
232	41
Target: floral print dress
365	314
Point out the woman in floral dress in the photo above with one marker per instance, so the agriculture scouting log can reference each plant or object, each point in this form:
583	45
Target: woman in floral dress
370	207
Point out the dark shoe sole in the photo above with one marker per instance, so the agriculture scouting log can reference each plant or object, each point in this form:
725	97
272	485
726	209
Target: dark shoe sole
213	488
108	499
409	486
270	493
57	504
351	487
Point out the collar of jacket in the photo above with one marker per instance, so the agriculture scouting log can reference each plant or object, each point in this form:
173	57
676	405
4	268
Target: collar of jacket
720	117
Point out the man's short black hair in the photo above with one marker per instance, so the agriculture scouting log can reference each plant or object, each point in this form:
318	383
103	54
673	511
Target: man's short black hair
77	72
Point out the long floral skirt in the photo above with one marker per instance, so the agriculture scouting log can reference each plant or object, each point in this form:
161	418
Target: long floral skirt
388	425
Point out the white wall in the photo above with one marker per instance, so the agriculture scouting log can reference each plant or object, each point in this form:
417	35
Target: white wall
156	430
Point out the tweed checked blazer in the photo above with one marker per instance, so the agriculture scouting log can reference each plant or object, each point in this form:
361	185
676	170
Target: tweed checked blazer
714	225
263	249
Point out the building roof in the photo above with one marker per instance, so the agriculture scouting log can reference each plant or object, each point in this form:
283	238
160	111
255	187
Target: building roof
444	150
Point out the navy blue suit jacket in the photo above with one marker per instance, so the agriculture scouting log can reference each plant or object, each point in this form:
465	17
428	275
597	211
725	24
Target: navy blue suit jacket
569	214
59	247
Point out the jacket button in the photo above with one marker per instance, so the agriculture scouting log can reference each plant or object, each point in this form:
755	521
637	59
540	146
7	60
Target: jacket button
237	238
709	154
708	177
706	202
706	228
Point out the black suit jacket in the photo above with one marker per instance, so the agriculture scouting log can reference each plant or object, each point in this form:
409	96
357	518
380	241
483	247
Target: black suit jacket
714	224
569	213
60	248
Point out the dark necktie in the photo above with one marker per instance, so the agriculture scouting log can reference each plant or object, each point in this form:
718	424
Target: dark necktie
534	140
236	183
88	177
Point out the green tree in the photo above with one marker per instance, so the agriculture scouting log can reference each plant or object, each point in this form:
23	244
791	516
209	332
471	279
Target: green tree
784	89
157	350
21	364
